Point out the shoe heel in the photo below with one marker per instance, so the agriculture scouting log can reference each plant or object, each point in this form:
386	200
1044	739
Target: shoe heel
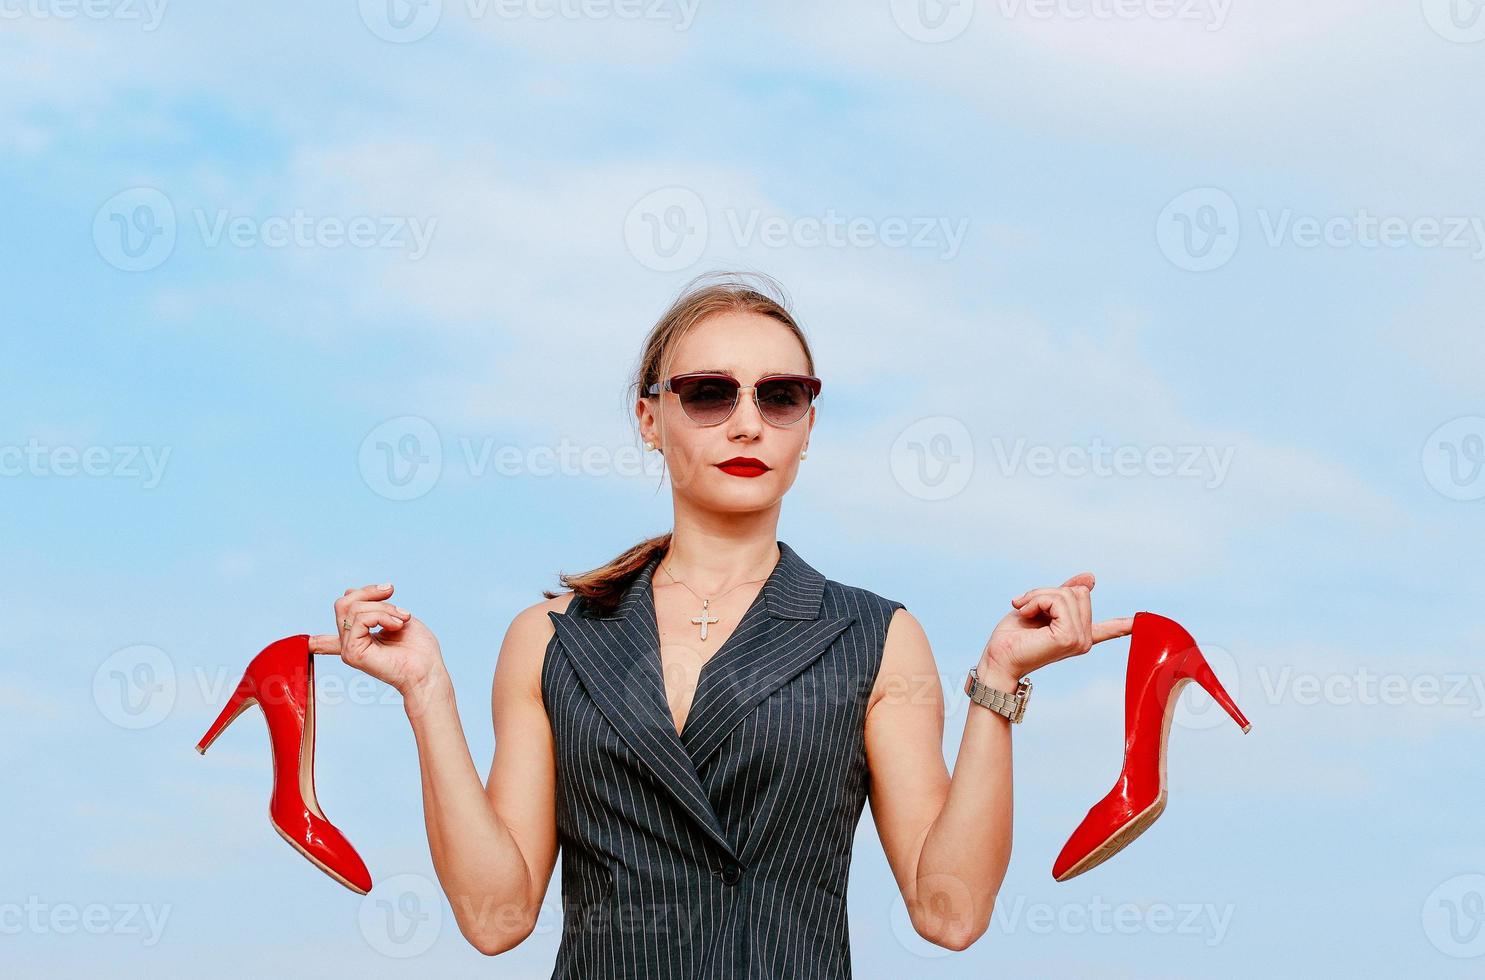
1196	667
241	698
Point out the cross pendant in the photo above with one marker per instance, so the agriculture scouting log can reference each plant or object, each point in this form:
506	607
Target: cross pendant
702	620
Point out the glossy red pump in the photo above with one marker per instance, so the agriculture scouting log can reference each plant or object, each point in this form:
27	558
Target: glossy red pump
1163	658
280	680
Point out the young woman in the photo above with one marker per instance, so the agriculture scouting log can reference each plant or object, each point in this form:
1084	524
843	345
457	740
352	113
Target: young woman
699	721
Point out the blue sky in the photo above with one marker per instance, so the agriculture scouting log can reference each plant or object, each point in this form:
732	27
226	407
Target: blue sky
1187	294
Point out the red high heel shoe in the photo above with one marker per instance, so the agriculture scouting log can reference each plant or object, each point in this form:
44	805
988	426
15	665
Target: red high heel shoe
280	680
1163	658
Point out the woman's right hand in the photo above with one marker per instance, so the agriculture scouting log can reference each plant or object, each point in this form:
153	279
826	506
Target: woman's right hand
405	654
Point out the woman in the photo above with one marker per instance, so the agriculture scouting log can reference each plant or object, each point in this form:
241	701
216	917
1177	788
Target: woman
699	721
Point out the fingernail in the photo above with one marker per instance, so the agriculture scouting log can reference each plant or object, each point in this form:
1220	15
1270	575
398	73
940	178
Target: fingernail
400	610
385	585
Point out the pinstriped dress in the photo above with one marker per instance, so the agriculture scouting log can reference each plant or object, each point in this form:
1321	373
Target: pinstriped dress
722	852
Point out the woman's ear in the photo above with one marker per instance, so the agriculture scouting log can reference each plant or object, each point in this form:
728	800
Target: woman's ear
646	423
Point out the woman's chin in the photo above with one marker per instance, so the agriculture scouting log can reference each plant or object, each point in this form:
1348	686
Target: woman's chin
759	494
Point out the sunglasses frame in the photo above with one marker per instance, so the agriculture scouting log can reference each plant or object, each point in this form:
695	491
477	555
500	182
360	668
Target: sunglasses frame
809	380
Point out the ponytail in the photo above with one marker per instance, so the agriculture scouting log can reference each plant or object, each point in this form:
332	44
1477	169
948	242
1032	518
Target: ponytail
602	587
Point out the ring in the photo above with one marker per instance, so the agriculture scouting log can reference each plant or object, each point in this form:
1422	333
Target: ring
345	624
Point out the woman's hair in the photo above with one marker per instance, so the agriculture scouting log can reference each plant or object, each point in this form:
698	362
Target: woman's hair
704	296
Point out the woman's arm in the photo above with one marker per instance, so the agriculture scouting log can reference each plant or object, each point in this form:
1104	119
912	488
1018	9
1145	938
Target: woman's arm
494	845
948	840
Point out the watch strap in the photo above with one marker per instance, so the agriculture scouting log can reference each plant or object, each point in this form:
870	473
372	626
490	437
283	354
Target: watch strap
1011	705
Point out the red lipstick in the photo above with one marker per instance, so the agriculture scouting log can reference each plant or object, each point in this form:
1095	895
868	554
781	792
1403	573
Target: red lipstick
743	466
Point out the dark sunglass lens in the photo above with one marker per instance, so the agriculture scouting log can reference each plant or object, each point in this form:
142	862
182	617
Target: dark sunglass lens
707	400
783	401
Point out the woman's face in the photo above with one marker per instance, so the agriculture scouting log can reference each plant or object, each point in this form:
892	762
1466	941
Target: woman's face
747	346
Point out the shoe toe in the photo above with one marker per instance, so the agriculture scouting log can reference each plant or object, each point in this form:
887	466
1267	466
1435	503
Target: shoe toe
343	860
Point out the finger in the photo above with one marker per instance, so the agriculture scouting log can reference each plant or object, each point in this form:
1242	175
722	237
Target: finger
1062	615
325	643
1074	619
362	622
1083	604
1077	589
1023	597
1110	628
364	606
365	592
1039	603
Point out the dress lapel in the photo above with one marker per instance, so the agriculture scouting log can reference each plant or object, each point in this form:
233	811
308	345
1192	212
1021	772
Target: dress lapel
617	657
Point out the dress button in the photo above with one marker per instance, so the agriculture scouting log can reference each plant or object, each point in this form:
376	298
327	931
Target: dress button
731	873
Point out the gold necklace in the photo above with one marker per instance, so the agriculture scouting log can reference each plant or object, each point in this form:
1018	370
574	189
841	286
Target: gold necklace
702	620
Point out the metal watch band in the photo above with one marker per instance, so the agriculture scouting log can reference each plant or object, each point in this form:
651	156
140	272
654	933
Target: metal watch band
1011	706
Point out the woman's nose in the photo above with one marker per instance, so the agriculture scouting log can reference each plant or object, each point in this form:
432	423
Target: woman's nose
755	415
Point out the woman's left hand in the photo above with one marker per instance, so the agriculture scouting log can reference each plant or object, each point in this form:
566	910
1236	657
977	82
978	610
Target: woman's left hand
1048	625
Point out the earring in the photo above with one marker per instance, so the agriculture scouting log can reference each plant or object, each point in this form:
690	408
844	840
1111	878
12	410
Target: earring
649	445
803	453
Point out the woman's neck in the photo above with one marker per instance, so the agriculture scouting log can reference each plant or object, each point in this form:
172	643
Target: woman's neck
711	563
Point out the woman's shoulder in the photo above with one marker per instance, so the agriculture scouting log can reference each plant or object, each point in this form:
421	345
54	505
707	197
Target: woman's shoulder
537	612
523	652
532	627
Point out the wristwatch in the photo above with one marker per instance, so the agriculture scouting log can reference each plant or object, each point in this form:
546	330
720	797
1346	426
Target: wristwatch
1012	706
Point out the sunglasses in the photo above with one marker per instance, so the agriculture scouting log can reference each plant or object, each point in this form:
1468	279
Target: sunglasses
708	399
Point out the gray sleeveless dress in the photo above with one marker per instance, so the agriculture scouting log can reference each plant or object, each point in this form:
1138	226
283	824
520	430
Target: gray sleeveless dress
721	852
